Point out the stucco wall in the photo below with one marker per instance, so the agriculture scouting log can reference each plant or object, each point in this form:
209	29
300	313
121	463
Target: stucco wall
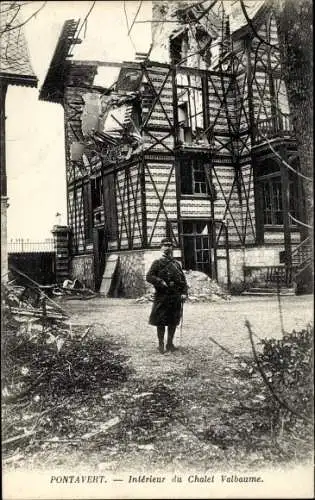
134	265
240	257
131	271
82	268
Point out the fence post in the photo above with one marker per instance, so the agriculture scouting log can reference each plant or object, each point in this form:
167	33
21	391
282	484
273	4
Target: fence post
61	247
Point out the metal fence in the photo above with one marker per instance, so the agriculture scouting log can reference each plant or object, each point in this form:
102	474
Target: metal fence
21	245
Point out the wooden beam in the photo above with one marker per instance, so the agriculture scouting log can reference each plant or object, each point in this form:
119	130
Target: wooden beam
109	64
143	204
177	162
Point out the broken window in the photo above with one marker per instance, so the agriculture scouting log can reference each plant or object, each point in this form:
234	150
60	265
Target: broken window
179	47
197	246
191	119
185	135
193	176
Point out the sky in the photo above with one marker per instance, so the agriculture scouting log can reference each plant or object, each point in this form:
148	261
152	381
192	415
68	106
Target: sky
35	129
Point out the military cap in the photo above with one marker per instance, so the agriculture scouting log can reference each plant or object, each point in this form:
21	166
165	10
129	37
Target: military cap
167	241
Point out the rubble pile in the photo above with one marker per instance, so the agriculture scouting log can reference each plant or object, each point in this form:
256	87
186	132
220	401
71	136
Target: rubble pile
201	288
53	373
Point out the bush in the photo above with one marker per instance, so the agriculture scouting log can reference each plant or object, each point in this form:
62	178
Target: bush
284	402
288	365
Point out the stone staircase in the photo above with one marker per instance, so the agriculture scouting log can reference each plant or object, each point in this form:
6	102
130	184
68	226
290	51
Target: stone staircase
261	291
302	265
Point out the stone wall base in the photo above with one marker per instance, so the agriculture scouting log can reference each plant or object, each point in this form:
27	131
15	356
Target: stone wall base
134	265
254	256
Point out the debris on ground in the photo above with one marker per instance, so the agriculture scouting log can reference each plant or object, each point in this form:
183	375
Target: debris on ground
74	289
52	373
31	301
69	390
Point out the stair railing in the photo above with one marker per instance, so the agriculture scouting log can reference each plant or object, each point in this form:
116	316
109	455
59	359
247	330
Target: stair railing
301	253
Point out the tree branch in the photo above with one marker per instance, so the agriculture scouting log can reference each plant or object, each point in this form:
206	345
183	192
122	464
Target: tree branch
249	22
281	402
135	18
8	28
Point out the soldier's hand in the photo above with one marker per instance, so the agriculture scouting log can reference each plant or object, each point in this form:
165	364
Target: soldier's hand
184	297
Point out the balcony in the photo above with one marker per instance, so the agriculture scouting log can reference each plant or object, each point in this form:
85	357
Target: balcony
278	126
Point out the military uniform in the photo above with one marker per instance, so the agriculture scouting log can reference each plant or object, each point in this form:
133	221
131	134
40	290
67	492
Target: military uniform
170	284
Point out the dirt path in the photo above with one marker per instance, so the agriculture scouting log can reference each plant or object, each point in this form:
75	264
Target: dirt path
127	322
171	403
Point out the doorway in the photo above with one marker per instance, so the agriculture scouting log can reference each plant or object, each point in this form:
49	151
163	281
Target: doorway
198	248
100	249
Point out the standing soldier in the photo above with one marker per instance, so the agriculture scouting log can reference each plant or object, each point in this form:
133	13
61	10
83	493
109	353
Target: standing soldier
170	292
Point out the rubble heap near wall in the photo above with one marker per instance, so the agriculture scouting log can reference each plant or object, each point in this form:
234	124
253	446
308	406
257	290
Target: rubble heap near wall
201	288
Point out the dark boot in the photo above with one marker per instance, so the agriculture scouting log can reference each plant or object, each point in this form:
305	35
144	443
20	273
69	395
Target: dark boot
170	336
160	333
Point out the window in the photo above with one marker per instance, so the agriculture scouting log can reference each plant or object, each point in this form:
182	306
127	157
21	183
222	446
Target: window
270	184
197	253
194	177
272	201
191	109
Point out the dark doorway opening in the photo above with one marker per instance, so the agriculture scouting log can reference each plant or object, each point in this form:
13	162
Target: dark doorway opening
100	249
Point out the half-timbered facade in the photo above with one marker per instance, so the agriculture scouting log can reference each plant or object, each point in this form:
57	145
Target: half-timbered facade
193	141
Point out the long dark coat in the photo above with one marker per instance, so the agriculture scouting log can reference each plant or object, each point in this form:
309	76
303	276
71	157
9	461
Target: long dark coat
167	304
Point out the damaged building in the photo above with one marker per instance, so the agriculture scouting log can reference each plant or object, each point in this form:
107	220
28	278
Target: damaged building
188	142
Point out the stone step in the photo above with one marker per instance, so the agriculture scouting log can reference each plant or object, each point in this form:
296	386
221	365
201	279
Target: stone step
263	291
